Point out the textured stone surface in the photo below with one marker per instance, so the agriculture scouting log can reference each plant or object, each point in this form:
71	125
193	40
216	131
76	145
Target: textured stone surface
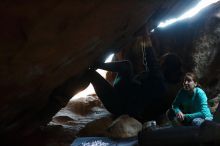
46	47
197	43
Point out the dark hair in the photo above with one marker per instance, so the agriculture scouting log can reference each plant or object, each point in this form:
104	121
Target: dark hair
172	67
134	52
194	77
191	74
171	61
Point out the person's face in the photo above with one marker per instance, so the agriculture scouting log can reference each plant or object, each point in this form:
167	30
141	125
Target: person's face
189	84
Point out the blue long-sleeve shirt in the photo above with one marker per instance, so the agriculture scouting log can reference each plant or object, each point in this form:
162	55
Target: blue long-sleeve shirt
194	106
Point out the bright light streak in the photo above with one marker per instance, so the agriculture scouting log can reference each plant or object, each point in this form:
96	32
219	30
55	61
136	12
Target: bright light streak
90	89
103	72
192	12
109	59
152	30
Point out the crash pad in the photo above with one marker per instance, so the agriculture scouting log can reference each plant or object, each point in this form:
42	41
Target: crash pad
104	141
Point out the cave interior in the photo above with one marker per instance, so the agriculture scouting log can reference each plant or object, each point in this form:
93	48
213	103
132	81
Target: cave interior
47	48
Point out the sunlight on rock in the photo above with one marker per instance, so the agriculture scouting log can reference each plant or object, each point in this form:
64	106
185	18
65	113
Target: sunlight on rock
190	13
90	90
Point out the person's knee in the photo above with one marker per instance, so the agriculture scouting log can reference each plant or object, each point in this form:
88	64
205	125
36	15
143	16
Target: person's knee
170	114
197	121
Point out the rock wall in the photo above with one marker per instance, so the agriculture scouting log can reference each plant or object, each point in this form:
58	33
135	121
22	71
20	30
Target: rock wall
196	41
206	54
45	48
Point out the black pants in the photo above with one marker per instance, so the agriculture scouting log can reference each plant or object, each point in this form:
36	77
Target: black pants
112	97
138	100
171	115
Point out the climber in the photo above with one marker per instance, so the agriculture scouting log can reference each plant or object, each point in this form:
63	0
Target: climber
138	95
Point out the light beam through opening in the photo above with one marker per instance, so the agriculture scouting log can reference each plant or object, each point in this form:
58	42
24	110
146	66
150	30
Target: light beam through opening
90	89
190	13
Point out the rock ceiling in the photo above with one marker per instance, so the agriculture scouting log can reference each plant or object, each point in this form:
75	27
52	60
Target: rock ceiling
46	47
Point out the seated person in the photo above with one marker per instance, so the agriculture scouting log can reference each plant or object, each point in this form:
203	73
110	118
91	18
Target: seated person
190	106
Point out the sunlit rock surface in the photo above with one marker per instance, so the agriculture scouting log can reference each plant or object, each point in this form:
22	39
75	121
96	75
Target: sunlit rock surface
74	120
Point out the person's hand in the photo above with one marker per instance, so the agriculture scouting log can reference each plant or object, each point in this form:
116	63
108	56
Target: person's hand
180	116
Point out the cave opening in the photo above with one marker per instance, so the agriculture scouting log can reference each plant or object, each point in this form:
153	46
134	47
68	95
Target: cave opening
189	13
